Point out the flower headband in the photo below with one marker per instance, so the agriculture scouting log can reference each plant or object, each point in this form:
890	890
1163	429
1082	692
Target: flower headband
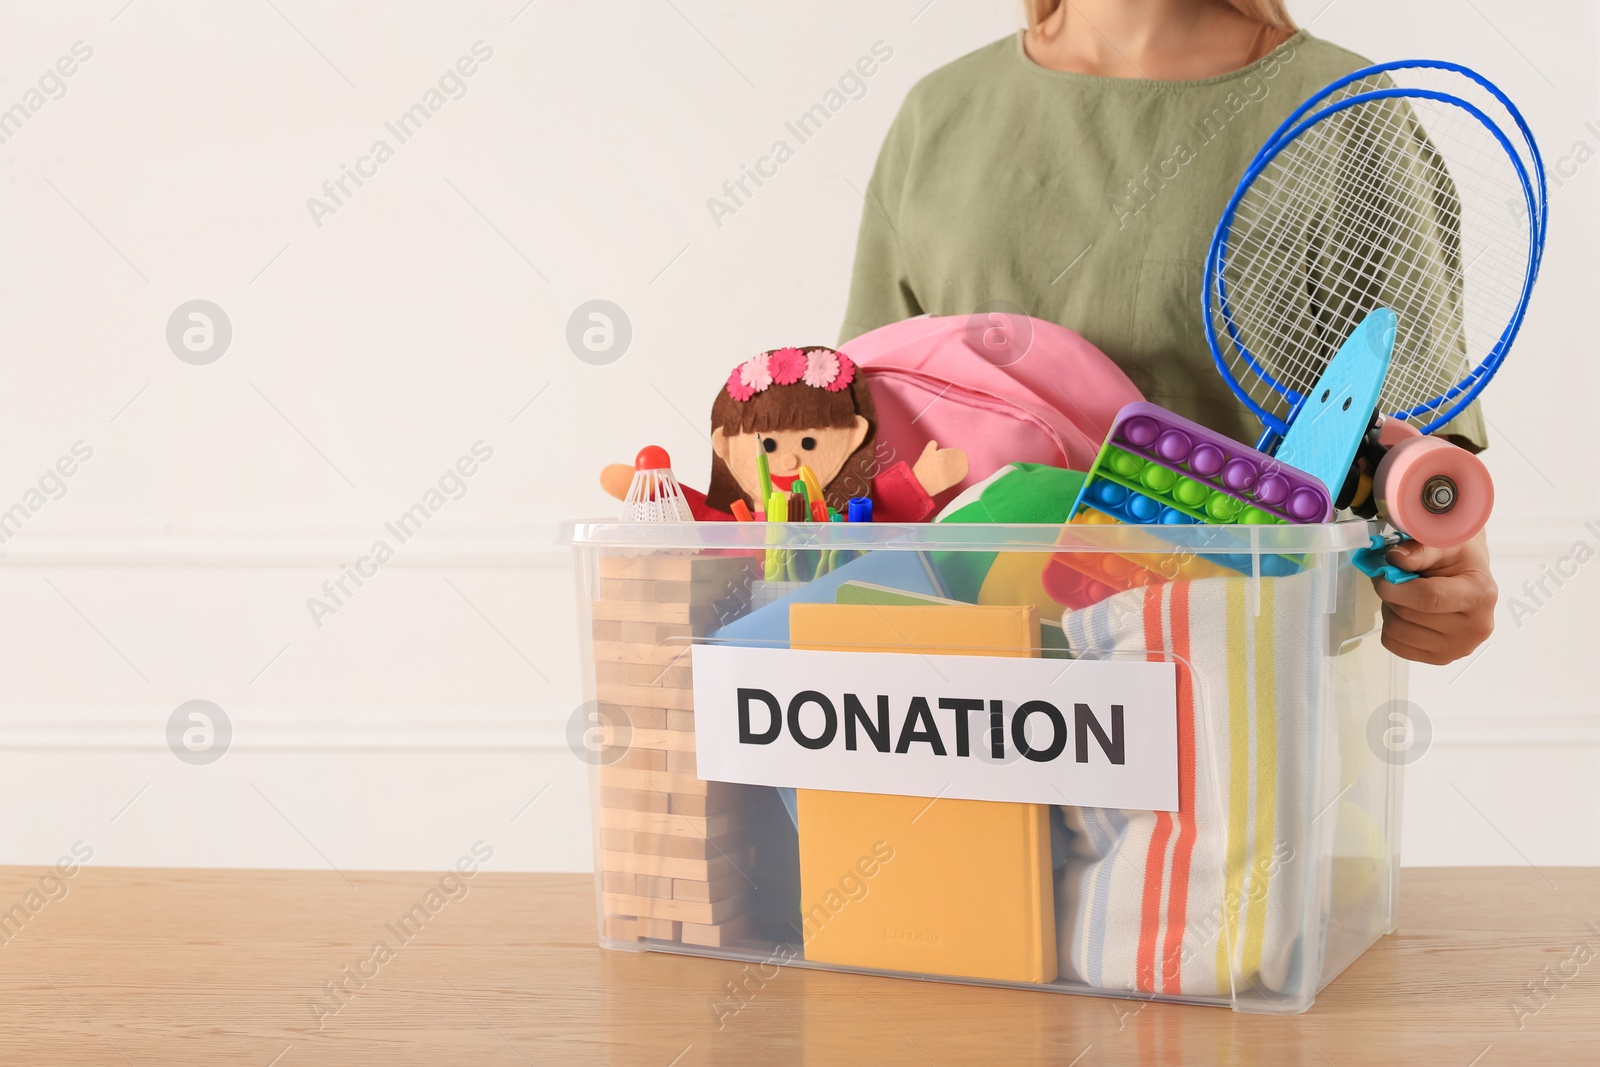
821	368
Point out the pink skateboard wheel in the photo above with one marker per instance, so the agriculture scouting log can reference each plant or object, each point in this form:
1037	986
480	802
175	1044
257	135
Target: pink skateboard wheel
1396	430
1438	493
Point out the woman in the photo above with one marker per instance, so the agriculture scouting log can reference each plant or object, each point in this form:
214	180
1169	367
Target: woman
1075	172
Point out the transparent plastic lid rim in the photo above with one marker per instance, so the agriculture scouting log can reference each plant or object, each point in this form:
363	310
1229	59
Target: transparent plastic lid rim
971	537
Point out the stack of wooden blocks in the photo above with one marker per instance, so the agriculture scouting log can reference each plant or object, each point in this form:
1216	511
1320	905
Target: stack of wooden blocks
674	853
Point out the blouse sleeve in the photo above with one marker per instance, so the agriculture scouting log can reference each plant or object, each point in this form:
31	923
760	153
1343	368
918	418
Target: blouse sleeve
880	286
1421	266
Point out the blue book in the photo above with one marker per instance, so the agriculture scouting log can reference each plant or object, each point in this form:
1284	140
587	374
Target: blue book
768	626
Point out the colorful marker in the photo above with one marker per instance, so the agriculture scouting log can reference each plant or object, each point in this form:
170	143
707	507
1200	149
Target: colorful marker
813	487
777	511
763	469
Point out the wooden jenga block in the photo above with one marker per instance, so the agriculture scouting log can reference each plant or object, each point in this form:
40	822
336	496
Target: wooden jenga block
617	840
656	885
721	797
710	827
667	740
663	675
662	781
636	883
718	935
638	800
676	653
703	891
714	798
649	634
645	696
718	866
660	929
703	590
680	761
639	759
679	720
689	795
646	718
650	611
679	910
622	928
648	844
674	568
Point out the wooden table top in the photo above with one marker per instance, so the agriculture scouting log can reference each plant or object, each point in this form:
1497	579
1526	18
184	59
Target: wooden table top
212	967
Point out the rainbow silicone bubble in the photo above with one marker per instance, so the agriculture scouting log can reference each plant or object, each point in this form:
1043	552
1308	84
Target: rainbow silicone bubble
1110	494
1272	489
1189	492
1278	566
1173	446
1223	508
1140	431
1116	566
1256	517
1125	463
1157	479
1206	460
1142	508
1305	505
1239	474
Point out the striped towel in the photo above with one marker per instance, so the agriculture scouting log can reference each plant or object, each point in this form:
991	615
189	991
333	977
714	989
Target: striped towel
1213	896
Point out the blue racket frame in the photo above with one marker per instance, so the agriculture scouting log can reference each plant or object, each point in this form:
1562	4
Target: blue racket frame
1465	391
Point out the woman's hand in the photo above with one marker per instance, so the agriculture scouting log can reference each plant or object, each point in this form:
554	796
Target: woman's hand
937	469
1445	614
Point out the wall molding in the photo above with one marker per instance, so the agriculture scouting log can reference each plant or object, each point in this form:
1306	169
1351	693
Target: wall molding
297	729
515	548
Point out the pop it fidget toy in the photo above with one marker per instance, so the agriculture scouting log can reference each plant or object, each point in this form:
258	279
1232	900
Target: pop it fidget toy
1157	467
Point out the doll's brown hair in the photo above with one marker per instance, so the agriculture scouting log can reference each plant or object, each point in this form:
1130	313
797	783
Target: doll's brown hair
797	406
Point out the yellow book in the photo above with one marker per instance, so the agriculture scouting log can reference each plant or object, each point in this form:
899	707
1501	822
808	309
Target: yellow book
934	886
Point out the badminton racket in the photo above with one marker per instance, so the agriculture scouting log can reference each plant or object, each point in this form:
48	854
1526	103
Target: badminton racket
1374	194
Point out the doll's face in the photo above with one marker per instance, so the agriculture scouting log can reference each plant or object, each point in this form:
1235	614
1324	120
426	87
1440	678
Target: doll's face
824	451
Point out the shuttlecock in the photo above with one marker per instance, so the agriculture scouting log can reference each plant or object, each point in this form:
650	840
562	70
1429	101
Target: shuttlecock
654	494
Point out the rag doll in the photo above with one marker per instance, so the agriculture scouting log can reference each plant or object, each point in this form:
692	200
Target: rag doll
807	407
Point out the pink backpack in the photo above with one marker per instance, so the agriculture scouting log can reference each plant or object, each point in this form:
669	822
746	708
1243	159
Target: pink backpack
1003	388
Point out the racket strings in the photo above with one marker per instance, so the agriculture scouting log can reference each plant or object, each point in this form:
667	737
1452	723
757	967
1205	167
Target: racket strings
1363	210
1452	83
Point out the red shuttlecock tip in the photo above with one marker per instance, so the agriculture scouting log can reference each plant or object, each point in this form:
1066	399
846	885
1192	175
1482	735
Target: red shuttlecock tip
652	458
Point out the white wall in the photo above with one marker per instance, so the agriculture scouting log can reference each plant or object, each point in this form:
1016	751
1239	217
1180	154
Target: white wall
371	351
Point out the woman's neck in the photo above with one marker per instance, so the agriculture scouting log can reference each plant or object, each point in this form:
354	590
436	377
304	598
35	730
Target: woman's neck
1162	40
